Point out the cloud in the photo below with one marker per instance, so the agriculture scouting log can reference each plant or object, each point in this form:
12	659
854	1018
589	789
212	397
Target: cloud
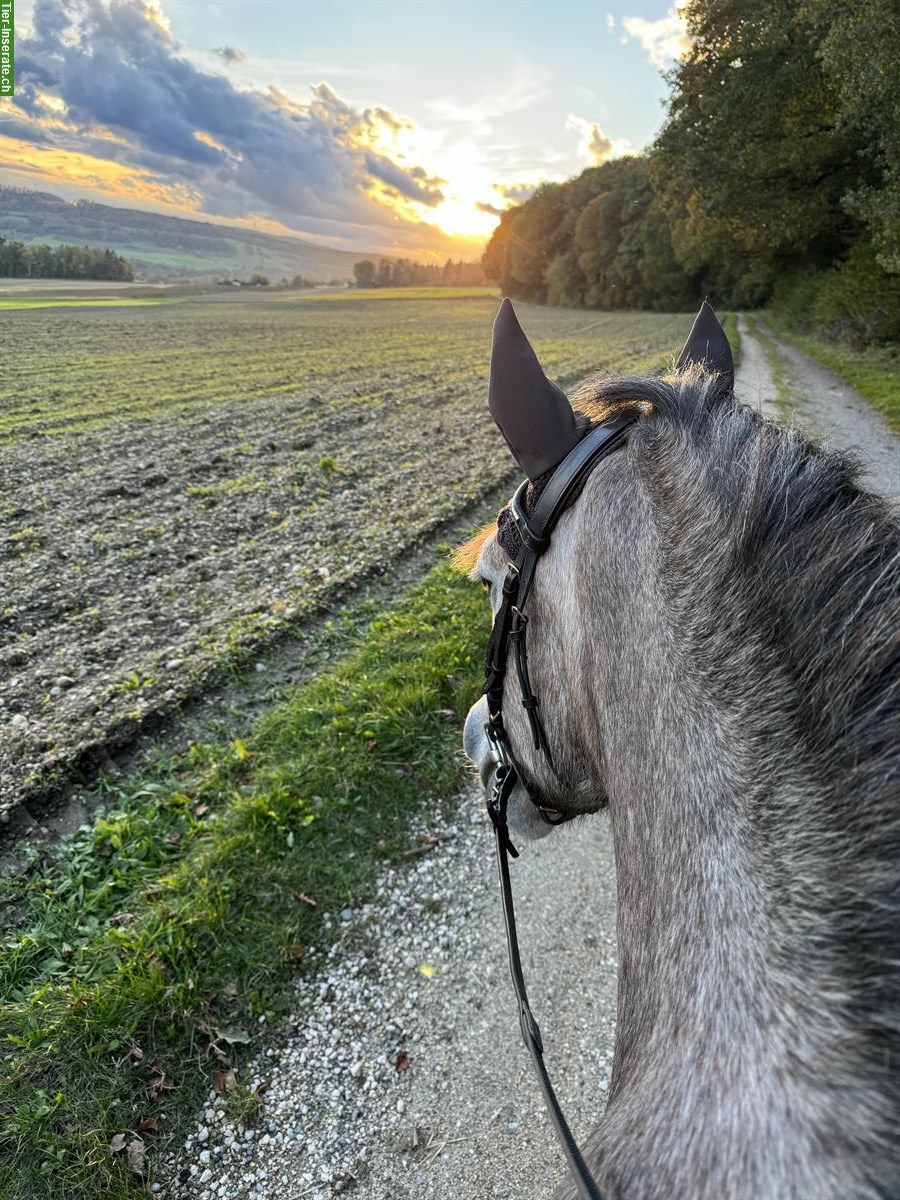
594	145
664	40
414	183
492	209
523	88
515	193
122	92
229	55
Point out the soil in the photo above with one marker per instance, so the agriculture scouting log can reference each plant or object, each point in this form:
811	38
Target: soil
174	499
179	557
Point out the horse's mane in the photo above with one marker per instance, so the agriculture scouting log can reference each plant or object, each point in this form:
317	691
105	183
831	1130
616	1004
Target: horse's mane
782	575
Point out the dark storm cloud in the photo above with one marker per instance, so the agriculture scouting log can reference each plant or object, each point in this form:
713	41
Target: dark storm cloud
118	68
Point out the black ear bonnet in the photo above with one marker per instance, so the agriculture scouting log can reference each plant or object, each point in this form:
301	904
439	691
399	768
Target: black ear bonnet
535	416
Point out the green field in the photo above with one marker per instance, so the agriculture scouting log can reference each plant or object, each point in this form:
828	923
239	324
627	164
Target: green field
90	364
88	301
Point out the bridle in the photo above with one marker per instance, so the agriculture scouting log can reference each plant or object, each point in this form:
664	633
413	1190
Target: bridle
509	628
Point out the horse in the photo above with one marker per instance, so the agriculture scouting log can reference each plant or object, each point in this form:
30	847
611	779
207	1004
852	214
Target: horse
714	644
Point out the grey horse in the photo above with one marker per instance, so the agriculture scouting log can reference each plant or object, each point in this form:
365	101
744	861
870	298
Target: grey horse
714	640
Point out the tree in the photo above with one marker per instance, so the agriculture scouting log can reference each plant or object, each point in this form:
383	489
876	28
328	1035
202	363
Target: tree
859	49
752	160
364	273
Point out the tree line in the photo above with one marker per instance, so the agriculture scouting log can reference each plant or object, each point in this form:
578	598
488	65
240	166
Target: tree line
18	261
402	272
774	180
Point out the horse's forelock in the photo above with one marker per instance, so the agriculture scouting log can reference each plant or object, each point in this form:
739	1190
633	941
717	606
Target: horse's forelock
465	557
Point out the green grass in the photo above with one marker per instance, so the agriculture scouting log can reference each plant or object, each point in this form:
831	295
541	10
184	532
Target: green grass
730	325
179	911
417	293
875	373
86	302
777	365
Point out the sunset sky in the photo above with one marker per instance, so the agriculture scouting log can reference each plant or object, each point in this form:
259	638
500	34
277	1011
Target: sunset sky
399	126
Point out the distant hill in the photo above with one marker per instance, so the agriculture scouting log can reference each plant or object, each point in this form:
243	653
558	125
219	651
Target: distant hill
168	247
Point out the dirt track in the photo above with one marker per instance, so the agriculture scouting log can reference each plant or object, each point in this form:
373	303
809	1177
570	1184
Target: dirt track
469	1124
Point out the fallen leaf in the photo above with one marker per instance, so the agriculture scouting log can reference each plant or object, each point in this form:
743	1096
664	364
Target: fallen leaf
304	899
173	838
223	1081
262	1088
136	1157
201	810
117	1145
232	1034
137	1054
148	1125
297	951
371	744
402	1061
427	969
160	1086
426	839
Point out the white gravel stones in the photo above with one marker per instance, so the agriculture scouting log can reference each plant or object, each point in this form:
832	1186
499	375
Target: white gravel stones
401	1073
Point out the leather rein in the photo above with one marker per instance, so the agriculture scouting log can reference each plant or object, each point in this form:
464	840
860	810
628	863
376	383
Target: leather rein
508	631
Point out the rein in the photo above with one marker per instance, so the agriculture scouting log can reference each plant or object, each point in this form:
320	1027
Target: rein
510	626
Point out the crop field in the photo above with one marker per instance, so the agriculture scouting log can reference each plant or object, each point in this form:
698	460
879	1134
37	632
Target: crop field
182	480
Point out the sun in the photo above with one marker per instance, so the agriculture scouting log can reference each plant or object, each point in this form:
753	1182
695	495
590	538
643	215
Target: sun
461	218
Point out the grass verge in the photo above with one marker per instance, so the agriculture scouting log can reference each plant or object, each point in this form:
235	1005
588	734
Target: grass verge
875	373
139	953
783	396
730	325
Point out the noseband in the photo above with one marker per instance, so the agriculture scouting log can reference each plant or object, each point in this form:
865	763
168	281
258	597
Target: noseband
510	625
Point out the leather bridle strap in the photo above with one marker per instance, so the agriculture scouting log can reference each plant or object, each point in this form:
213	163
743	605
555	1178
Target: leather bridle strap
531	1033
509	624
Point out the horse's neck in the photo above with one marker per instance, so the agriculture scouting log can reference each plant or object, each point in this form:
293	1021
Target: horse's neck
734	1043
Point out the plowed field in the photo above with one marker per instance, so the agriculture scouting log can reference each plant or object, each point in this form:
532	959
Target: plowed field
181	480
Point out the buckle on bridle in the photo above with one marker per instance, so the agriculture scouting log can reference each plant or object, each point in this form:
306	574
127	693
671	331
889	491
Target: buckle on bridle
505	777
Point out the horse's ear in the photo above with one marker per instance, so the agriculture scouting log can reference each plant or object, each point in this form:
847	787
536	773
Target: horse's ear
708	344
533	414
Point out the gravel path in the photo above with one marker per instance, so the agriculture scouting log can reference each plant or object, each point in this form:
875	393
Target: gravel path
422	973
820	404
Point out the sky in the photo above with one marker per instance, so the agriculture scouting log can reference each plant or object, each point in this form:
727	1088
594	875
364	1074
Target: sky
391	126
